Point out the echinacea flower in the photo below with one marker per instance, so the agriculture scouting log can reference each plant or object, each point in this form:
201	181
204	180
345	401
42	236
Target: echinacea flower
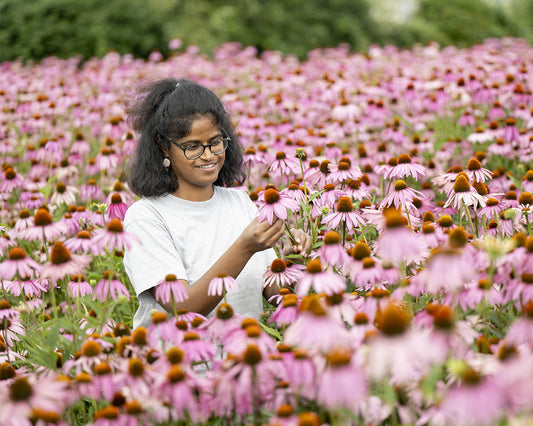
81	243
44	228
342	384
332	250
64	194
222	284
78	287
279	274
18	264
405	168
63	263
344	215
394	353
398	243
114	237
477	173
110	287
273	205
320	281
400	196
170	289
315	329
343	172
464	194
24	396
117	208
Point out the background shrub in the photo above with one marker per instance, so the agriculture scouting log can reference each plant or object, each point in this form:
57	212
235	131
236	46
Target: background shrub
33	29
64	28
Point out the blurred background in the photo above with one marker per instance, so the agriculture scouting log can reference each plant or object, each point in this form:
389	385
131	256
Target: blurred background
34	29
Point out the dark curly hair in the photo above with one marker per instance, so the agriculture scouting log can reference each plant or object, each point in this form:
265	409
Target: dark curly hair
166	109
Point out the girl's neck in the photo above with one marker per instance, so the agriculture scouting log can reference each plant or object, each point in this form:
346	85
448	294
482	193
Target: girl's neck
194	194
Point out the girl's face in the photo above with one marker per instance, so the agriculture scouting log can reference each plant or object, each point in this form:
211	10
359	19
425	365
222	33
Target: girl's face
196	177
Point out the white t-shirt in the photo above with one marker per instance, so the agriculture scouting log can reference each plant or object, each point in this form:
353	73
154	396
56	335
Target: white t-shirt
186	238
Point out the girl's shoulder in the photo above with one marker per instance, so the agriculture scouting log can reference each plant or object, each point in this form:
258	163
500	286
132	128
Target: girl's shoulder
147	208
236	195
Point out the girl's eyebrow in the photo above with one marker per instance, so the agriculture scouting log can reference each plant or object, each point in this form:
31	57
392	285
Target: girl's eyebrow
199	141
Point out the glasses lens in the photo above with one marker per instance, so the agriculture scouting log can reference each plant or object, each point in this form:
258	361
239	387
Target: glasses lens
194	151
219	145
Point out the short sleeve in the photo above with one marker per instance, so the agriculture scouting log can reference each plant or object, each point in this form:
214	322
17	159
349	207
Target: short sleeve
156	256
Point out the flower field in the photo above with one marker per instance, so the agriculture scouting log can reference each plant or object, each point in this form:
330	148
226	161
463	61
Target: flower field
411	169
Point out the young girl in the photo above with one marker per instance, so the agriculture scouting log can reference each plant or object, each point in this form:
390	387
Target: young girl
190	222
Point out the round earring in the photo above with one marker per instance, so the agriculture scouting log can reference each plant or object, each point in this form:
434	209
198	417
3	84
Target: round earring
166	163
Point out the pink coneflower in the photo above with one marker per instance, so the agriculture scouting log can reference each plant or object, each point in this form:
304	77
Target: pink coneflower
314	329
321	281
26	396
477	173
342	172
63	263
30	287
341	384
170	290
476	401
398	243
24	221
91	192
285	165
286	312
78	287
344	215
114	237
355	191
400	196
250	332
197	349
180	389
294	190
11	181
221	324
394	353
64	194
317	176
406	168
81	243
370	275
222	284
511	133
328	198
18	264
446	269
491	210
110	286
332	251
44	228
273	204
280	275
117	208
463	194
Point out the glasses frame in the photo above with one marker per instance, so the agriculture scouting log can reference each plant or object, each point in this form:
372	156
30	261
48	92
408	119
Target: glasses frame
225	138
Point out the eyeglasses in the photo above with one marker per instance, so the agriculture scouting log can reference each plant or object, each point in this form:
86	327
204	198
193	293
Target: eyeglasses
195	150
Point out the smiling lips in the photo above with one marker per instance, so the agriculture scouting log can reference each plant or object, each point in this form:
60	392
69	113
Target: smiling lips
207	166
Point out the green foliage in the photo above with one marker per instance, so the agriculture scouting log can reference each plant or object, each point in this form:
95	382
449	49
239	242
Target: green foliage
34	29
457	22
292	26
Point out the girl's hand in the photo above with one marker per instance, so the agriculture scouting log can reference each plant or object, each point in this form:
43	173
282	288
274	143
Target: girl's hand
301	245
259	236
